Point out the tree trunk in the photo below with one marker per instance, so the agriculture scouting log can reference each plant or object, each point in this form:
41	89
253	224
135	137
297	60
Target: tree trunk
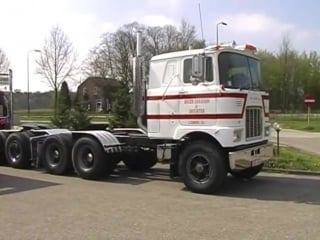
55	101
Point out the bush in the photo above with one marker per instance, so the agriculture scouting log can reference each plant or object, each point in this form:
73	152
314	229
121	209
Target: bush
79	117
121	109
62	117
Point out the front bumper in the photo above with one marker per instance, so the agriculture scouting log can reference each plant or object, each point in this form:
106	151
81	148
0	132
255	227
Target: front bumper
250	157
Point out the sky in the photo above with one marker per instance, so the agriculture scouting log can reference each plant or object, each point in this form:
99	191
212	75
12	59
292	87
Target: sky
25	24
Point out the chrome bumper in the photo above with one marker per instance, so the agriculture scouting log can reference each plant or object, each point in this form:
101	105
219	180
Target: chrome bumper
250	157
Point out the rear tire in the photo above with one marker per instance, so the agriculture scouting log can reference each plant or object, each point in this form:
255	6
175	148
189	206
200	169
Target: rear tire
55	154
202	167
247	173
140	161
17	150
3	137
90	160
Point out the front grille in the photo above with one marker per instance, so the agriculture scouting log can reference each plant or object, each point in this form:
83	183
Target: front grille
253	122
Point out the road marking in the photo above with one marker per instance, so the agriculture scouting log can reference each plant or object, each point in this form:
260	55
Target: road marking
6	189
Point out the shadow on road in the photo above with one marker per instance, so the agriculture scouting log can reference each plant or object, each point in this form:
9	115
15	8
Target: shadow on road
275	188
12	184
267	187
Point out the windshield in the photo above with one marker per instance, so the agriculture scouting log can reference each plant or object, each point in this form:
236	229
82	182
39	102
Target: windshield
239	71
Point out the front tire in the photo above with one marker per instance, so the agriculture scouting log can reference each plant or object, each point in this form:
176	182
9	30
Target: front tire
90	160
202	167
247	173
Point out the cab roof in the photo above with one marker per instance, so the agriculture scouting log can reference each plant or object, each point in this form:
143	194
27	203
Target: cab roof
247	49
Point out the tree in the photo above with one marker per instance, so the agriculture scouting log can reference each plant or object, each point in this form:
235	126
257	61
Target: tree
198	44
62	118
288	59
187	35
99	61
57	61
271	76
114	53
4	62
80	118
121	114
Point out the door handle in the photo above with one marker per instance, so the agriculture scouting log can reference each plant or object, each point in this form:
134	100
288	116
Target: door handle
182	91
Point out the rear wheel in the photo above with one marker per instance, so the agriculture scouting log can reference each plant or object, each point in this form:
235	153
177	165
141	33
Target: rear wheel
3	137
90	160
17	150
55	154
140	161
202	167
247	173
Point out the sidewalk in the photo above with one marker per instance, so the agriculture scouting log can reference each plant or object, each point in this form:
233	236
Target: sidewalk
306	141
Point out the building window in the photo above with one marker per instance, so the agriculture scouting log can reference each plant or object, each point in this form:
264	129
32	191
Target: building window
99	106
95	91
88	107
84	91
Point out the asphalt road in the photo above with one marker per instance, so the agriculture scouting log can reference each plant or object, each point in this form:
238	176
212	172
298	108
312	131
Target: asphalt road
127	205
307	141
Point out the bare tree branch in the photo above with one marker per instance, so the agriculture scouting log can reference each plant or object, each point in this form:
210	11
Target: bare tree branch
57	61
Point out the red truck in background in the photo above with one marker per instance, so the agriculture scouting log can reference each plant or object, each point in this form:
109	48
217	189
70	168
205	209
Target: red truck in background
4	112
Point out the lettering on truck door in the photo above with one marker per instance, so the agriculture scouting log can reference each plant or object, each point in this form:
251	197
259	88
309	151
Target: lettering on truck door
197	105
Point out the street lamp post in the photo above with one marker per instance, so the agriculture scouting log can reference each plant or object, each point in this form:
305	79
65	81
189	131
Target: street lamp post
217	29
28	82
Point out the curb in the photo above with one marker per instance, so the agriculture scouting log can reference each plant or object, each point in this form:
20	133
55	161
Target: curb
291	171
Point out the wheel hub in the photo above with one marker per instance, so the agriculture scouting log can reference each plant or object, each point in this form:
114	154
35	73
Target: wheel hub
90	157
15	152
199	168
56	154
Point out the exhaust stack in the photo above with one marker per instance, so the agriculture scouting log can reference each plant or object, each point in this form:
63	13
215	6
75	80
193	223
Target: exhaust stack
138	44
139	86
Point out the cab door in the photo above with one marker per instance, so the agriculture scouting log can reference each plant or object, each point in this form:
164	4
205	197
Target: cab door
197	101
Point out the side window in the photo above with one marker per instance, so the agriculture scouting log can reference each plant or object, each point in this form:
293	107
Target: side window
209	69
171	71
187	70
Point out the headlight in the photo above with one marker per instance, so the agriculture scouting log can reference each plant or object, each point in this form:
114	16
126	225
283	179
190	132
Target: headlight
237	134
267	131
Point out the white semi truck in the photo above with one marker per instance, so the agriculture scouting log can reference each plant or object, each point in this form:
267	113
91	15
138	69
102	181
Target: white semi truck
204	112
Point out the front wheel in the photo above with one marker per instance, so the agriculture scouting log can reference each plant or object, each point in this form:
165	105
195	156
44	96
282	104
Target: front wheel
202	167
247	173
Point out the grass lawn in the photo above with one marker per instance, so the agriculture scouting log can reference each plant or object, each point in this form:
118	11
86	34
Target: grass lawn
291	158
45	115
299	123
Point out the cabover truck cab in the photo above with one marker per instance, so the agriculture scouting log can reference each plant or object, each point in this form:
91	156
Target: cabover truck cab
204	112
210	110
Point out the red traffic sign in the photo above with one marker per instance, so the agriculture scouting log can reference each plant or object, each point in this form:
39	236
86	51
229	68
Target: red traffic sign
309	101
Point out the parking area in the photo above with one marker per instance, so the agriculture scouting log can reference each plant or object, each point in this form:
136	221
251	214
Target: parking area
129	205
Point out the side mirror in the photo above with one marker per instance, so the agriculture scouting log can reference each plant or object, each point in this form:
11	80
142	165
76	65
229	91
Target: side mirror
198	67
